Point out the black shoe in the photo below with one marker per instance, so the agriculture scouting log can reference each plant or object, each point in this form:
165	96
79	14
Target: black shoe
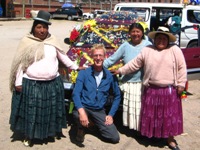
174	147
80	136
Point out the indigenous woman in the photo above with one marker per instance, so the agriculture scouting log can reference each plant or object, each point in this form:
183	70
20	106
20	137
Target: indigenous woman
164	80
38	108
131	82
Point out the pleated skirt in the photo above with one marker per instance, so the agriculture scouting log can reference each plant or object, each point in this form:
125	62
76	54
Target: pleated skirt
161	112
39	110
132	104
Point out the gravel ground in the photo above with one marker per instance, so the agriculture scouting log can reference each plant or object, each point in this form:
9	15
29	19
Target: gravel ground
11	33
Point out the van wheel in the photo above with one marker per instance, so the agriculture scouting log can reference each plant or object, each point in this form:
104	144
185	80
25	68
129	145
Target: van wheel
69	17
193	44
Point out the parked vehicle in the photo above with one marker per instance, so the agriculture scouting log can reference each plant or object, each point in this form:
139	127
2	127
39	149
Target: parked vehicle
88	15
98	13
70	13
111	29
157	14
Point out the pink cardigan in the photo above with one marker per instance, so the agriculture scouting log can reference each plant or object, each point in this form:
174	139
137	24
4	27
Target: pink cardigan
161	68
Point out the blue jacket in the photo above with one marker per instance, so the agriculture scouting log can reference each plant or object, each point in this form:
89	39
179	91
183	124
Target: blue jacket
87	94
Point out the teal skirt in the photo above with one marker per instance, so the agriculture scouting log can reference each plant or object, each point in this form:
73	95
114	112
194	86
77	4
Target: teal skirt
39	110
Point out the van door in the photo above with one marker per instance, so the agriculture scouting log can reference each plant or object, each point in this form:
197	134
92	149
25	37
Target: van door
189	35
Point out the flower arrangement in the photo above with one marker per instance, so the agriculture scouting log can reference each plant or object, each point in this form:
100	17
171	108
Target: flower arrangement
184	95
110	30
80	54
74	35
74	73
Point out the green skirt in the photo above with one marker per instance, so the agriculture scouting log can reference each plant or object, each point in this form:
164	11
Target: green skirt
39	110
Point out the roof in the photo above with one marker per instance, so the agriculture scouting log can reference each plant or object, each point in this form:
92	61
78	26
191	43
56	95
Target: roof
147	5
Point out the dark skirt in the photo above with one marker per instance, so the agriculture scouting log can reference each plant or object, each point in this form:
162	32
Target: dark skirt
39	110
161	112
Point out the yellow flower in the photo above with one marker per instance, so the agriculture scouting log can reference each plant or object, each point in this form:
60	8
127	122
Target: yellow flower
73	75
144	25
91	23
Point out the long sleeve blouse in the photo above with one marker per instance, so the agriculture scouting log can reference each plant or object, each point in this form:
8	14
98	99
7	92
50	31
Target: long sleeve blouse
161	68
127	52
46	68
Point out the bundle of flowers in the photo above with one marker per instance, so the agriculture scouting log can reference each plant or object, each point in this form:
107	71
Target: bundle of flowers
74	35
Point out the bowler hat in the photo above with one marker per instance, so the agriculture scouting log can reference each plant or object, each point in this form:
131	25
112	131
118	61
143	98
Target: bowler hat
43	16
162	30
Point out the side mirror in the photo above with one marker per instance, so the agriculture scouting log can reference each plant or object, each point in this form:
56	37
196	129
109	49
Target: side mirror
67	41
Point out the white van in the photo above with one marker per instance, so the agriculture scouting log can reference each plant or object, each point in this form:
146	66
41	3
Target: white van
157	14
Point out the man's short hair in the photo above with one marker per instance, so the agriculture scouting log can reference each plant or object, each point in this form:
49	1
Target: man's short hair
98	46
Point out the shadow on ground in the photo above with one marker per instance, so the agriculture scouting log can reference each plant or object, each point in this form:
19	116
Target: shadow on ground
153	142
17	136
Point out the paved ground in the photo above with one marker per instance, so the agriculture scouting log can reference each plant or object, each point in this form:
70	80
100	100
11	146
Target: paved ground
10	34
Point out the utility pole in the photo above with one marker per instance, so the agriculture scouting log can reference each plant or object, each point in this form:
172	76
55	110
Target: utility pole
23	8
90	5
101	5
49	3
111	3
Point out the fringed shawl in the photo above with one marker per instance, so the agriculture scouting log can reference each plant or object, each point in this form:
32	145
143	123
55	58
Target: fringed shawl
30	49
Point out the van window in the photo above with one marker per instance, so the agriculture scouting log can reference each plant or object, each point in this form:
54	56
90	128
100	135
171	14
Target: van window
193	16
160	16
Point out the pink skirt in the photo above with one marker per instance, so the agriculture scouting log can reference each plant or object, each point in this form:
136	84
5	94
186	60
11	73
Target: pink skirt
161	112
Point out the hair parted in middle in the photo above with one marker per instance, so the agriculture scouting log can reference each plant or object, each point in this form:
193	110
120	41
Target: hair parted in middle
138	26
98	46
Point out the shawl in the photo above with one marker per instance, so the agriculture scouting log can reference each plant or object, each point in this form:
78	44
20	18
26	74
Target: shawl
30	49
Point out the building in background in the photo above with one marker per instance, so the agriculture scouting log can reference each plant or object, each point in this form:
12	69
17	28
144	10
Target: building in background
22	8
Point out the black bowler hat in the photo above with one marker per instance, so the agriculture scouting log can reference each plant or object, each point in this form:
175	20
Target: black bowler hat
43	16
